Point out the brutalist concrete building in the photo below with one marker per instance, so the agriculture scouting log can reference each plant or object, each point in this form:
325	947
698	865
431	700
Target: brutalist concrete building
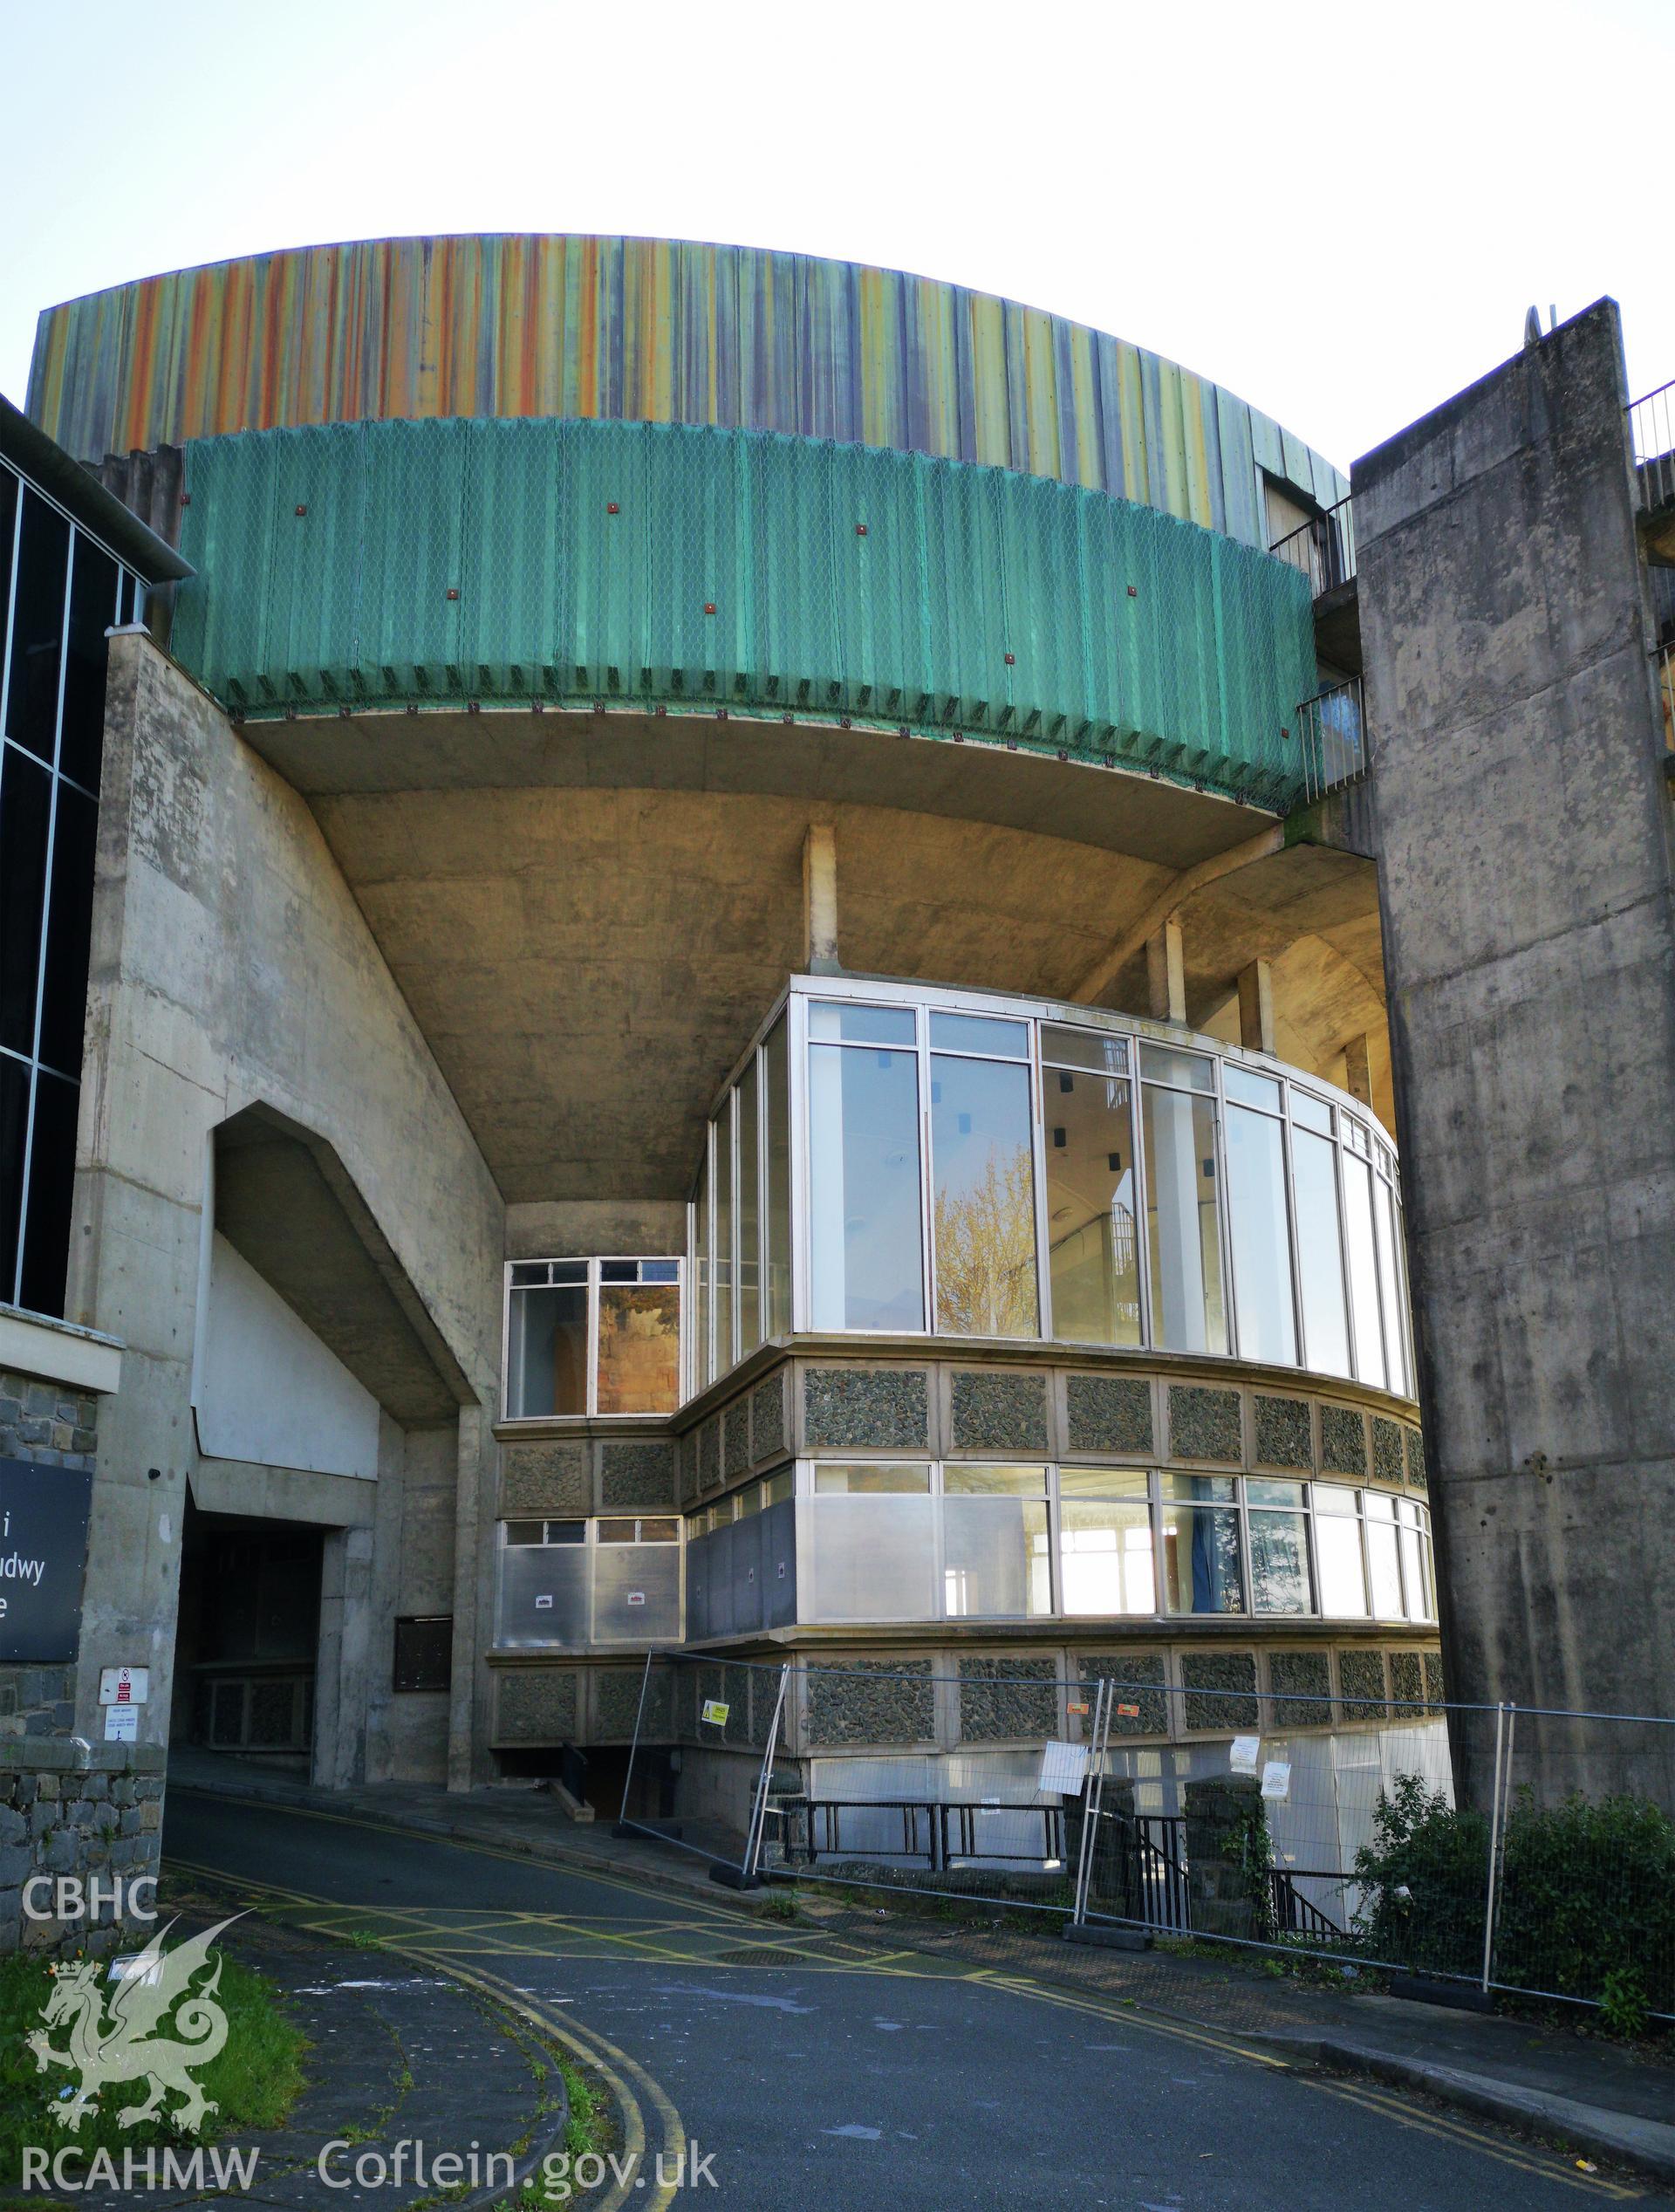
733	1004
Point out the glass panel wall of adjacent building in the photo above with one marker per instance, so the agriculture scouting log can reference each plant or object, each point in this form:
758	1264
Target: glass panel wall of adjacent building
889	1160
60	591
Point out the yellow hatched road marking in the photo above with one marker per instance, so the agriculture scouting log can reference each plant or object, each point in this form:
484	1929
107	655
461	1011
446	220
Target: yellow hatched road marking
616	2066
863	1962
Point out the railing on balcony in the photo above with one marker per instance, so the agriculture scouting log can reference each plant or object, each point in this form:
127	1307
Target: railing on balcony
1323	547
1652	427
1331	732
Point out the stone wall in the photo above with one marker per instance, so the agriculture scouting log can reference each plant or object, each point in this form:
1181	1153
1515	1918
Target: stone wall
66	1807
67	1810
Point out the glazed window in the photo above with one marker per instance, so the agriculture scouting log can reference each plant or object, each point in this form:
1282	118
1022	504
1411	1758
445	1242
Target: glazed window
996	1561
983	1201
1260	1233
1200	1545
866	1258
912	1166
1183	1221
1092	1238
598	1337
59	592
1107	1556
1338	1547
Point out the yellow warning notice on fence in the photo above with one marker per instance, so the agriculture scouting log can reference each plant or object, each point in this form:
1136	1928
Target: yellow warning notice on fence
716	1711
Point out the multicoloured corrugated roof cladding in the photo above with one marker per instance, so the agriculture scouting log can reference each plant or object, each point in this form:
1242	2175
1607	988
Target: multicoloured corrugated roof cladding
643	330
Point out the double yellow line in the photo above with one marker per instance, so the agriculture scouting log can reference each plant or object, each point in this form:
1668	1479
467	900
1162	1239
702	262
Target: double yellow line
641	2157
622	2073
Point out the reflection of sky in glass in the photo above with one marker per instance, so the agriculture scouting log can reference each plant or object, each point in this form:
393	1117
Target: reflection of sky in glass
1325	1332
863	1189
1261	1242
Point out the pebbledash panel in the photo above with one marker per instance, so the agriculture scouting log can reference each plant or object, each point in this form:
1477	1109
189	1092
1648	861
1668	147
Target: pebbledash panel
996	1314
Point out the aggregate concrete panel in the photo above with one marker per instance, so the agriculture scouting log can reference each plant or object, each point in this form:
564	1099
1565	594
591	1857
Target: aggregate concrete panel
1206	1424
998	1413
1141	1680
637	1473
1007	1699
866	1409
866	1700
1284	1433
1221	1688
546	1478
1109	1413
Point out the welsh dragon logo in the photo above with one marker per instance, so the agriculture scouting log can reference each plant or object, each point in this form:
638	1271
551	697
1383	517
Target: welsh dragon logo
113	2037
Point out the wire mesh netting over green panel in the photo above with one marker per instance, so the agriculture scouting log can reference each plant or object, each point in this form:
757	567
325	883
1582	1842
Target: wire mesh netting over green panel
495	561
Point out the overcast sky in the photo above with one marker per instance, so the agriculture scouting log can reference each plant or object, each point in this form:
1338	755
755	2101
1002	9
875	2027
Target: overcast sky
1341	211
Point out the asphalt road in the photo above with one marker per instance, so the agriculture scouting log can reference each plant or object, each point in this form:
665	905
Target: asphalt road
819	2072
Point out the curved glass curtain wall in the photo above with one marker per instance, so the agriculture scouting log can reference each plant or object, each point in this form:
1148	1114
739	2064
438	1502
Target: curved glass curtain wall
889	1160
924	1540
832	1543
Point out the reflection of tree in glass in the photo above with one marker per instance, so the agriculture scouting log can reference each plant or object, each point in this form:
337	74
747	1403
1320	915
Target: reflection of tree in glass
985	1252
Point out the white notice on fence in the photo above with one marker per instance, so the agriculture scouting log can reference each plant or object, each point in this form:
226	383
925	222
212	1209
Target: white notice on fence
1246	1750
1062	1768
1276	1779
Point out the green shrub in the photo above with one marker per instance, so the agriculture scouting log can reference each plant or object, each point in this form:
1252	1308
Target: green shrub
1422	1880
1587	1893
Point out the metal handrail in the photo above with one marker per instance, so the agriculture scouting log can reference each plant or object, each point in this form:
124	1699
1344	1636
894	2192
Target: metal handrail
1293	1913
1652	429
1331	729
1323	547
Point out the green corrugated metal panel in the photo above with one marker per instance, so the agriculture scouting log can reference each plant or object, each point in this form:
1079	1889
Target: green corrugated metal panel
480	560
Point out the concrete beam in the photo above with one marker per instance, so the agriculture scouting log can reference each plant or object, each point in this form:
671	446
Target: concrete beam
1110	964
1256	1031
1165	972
1358	1070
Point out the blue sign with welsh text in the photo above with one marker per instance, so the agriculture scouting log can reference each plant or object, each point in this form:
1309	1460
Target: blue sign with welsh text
43	1552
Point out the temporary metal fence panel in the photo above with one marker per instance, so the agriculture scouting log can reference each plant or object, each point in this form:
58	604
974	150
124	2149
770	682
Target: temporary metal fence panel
1276	1822
476	563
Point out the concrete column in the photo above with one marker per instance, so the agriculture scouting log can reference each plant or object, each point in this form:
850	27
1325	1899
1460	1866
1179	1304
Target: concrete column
1358	1070
820	900
470	1700
1256	1007
343	1668
1165	972
1530	949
